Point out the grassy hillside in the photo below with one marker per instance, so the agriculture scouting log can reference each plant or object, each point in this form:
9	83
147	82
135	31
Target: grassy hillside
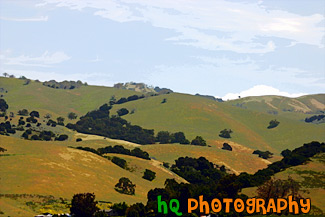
295	108
57	102
50	168
199	116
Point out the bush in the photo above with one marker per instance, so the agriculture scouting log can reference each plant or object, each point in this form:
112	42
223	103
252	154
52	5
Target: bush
35	137
3	105
34	114
149	175
263	154
125	186
62	137
225	133
23	112
199	141
166	165
273	124
227	147
78	139
72	115
122	111
119	162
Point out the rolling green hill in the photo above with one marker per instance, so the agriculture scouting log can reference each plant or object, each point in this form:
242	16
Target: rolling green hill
52	168
57	102
199	116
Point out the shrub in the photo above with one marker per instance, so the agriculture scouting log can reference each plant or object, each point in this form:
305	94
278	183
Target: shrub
122	111
166	165
23	112
34	114
227	147
62	137
149	175
78	139
119	162
125	186
273	124
199	141
225	133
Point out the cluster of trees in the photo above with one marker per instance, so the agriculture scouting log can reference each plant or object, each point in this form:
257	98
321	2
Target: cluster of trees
290	158
197	171
64	84
225	133
118	149
315	118
99	122
273	123
165	137
43	135
263	154
119	162
6	128
125	99
207	179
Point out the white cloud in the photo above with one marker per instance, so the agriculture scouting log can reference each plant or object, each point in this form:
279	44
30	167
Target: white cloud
261	90
45	60
30	19
212	25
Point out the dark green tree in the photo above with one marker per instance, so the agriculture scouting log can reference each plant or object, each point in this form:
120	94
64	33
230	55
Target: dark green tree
225	133
125	186
3	105
122	111
163	137
273	124
72	115
149	175
83	205
199	141
34	114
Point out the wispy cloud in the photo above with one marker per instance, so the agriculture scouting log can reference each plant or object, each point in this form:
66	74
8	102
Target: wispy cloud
45	60
211	25
96	60
28	19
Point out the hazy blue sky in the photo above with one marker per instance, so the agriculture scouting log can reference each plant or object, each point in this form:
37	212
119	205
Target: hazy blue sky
215	47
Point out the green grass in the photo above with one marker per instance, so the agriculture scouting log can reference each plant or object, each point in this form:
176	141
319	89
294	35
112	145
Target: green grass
57	102
199	116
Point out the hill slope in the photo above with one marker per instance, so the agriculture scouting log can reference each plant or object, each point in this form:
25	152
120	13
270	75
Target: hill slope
199	116
295	108
50	168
